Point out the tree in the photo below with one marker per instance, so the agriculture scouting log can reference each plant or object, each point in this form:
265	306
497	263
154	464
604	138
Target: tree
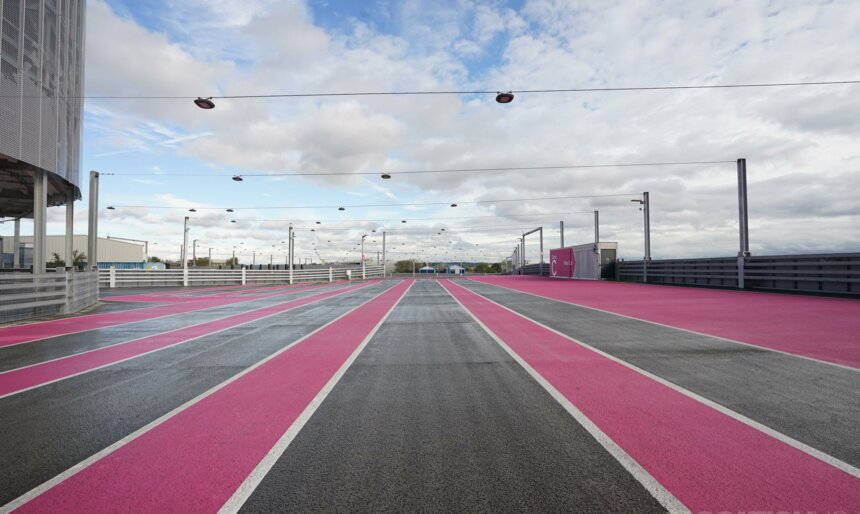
78	259
154	259
57	262
232	261
202	261
406	266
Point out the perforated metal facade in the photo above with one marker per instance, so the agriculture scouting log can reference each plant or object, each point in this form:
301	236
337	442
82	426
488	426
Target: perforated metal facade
41	83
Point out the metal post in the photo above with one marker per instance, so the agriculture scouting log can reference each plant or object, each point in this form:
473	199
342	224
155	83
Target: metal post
383	254
743	221
185	244
290	251
210	258
194	253
93	222
254	258
40	220
362	257
596	227
413	268
16	242
561	232
647	214
541	252
70	228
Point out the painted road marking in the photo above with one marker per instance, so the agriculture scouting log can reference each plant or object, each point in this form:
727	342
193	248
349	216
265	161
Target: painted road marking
202	451
849	362
22	334
707	460
29	377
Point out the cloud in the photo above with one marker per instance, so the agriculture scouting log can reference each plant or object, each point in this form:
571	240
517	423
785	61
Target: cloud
796	140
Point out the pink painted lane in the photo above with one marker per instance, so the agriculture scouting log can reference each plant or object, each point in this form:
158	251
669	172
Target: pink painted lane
706	459
822	328
42	330
21	379
195	460
185	296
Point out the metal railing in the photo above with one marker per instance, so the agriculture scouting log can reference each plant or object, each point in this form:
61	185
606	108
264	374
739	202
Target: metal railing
28	295
816	273
214	277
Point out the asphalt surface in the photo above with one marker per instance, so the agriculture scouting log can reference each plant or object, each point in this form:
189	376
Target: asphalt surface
16	356
50	429
434	416
813	402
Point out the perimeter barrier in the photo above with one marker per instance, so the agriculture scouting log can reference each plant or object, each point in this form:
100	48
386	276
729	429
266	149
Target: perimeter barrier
215	277
834	273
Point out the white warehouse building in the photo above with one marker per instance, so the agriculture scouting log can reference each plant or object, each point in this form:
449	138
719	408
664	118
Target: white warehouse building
110	251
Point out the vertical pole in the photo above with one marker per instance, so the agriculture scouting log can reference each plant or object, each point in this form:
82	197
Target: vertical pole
561	232
290	251
185	244
112	277
93	222
596	227
743	221
330	274
40	221
70	228
541	252
647	214
523	252
383	254
210	258
363	275
254	258
194	253
413	268
16	242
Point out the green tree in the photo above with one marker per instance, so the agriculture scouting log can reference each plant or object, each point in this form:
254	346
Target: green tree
232	261
406	266
154	258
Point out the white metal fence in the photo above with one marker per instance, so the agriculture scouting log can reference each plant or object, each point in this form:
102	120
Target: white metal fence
214	277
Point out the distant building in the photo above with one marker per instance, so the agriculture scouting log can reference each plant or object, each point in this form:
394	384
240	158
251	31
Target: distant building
457	270
112	252
427	269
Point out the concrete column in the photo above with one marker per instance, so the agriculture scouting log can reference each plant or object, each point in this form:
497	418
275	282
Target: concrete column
185	277
244	278
330	274
93	222
70	228
16	242
40	220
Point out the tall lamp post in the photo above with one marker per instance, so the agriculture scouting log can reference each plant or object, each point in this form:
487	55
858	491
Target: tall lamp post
646	216
185	244
363	274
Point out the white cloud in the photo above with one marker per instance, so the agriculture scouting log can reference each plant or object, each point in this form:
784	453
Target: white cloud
795	139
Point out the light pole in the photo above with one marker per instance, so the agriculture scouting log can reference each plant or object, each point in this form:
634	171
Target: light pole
290	250
194	253
383	254
363	275
93	229
743	221
185	244
645	202
561	232
210	258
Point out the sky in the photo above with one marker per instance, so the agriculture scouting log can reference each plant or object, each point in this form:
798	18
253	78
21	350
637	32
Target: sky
800	143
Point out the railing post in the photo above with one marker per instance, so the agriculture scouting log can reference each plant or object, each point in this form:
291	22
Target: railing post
330	274
244	278
112	279
184	277
363	271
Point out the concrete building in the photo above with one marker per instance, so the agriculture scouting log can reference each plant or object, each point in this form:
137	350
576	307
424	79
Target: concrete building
41	84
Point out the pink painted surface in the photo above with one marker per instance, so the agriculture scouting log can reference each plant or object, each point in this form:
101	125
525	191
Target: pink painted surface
561	263
194	461
707	460
818	327
35	331
32	376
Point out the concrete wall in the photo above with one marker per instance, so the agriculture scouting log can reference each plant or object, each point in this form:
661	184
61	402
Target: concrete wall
110	250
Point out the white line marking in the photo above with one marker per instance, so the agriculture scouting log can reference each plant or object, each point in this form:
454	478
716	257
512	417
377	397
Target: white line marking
794	443
280	293
42	384
813	359
640	474
250	484
65	475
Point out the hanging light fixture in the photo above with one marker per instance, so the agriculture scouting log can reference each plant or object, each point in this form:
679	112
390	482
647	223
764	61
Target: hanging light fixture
386	176
505	98
111	208
229	210
204	103
238	178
